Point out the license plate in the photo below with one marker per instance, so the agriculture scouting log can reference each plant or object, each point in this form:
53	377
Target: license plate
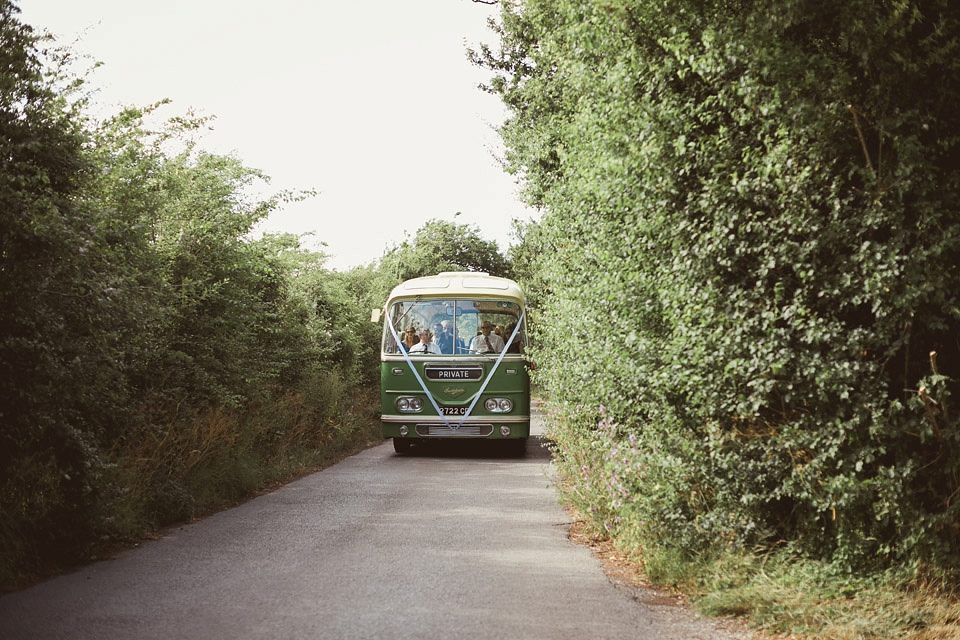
453	411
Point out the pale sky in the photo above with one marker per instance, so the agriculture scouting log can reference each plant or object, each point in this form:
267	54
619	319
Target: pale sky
373	103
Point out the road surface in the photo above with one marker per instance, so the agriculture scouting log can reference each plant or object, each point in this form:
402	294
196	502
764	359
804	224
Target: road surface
451	543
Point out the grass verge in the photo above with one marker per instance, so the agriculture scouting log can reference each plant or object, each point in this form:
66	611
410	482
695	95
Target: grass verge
778	593
783	596
179	467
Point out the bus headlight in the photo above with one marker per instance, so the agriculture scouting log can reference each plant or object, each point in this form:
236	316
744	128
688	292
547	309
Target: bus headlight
409	405
498	405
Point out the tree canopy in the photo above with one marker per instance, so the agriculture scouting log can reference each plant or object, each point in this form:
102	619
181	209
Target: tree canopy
440	245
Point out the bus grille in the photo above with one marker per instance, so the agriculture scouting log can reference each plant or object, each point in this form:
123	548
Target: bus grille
443	431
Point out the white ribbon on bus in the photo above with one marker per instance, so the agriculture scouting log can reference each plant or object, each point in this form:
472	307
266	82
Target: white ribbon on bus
406	356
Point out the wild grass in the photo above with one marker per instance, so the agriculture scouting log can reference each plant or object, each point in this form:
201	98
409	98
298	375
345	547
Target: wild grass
779	592
804	598
221	455
179	465
785	595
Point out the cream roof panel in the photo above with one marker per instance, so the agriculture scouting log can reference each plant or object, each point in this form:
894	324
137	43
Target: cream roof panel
458	283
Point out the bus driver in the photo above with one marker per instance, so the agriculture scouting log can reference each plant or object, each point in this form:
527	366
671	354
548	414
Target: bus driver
426	344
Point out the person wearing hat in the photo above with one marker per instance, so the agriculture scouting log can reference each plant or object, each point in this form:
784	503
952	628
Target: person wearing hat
486	341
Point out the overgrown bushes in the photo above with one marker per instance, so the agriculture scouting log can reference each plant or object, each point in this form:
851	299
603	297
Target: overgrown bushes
752	217
156	361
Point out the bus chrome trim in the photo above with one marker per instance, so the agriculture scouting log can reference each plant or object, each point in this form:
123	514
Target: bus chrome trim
443	431
420	419
452	360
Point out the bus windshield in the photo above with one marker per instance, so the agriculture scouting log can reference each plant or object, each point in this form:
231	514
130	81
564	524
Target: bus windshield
457	326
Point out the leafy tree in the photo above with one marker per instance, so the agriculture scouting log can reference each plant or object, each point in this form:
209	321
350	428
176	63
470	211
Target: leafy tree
155	358
443	246
216	295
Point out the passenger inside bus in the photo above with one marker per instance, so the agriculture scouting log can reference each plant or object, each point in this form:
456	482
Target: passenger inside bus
487	341
437	330
445	339
409	339
516	346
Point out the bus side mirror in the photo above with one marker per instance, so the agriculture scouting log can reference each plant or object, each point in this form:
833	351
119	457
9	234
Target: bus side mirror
375	315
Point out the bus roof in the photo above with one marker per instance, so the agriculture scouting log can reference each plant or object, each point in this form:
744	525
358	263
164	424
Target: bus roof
455	284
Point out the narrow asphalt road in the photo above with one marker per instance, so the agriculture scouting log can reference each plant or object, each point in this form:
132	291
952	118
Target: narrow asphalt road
453	542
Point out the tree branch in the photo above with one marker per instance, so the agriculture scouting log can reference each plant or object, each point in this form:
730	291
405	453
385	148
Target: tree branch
863	143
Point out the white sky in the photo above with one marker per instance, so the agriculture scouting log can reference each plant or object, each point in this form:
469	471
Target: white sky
373	103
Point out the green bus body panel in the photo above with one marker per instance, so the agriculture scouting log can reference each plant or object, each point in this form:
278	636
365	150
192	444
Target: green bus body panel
455	393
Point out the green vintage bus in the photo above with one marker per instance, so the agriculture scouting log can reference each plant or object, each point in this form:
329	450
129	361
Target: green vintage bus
452	361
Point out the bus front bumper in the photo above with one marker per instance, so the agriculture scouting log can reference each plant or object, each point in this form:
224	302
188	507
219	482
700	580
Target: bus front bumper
494	427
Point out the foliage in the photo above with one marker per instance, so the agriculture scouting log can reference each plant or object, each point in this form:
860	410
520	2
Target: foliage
203	459
55	288
752	211
363	289
156	360
443	246
526	260
809	599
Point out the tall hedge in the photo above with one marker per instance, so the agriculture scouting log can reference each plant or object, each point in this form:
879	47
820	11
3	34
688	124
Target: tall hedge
156	359
52	283
753	214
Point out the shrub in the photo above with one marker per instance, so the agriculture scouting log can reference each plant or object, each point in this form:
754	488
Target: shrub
753	231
